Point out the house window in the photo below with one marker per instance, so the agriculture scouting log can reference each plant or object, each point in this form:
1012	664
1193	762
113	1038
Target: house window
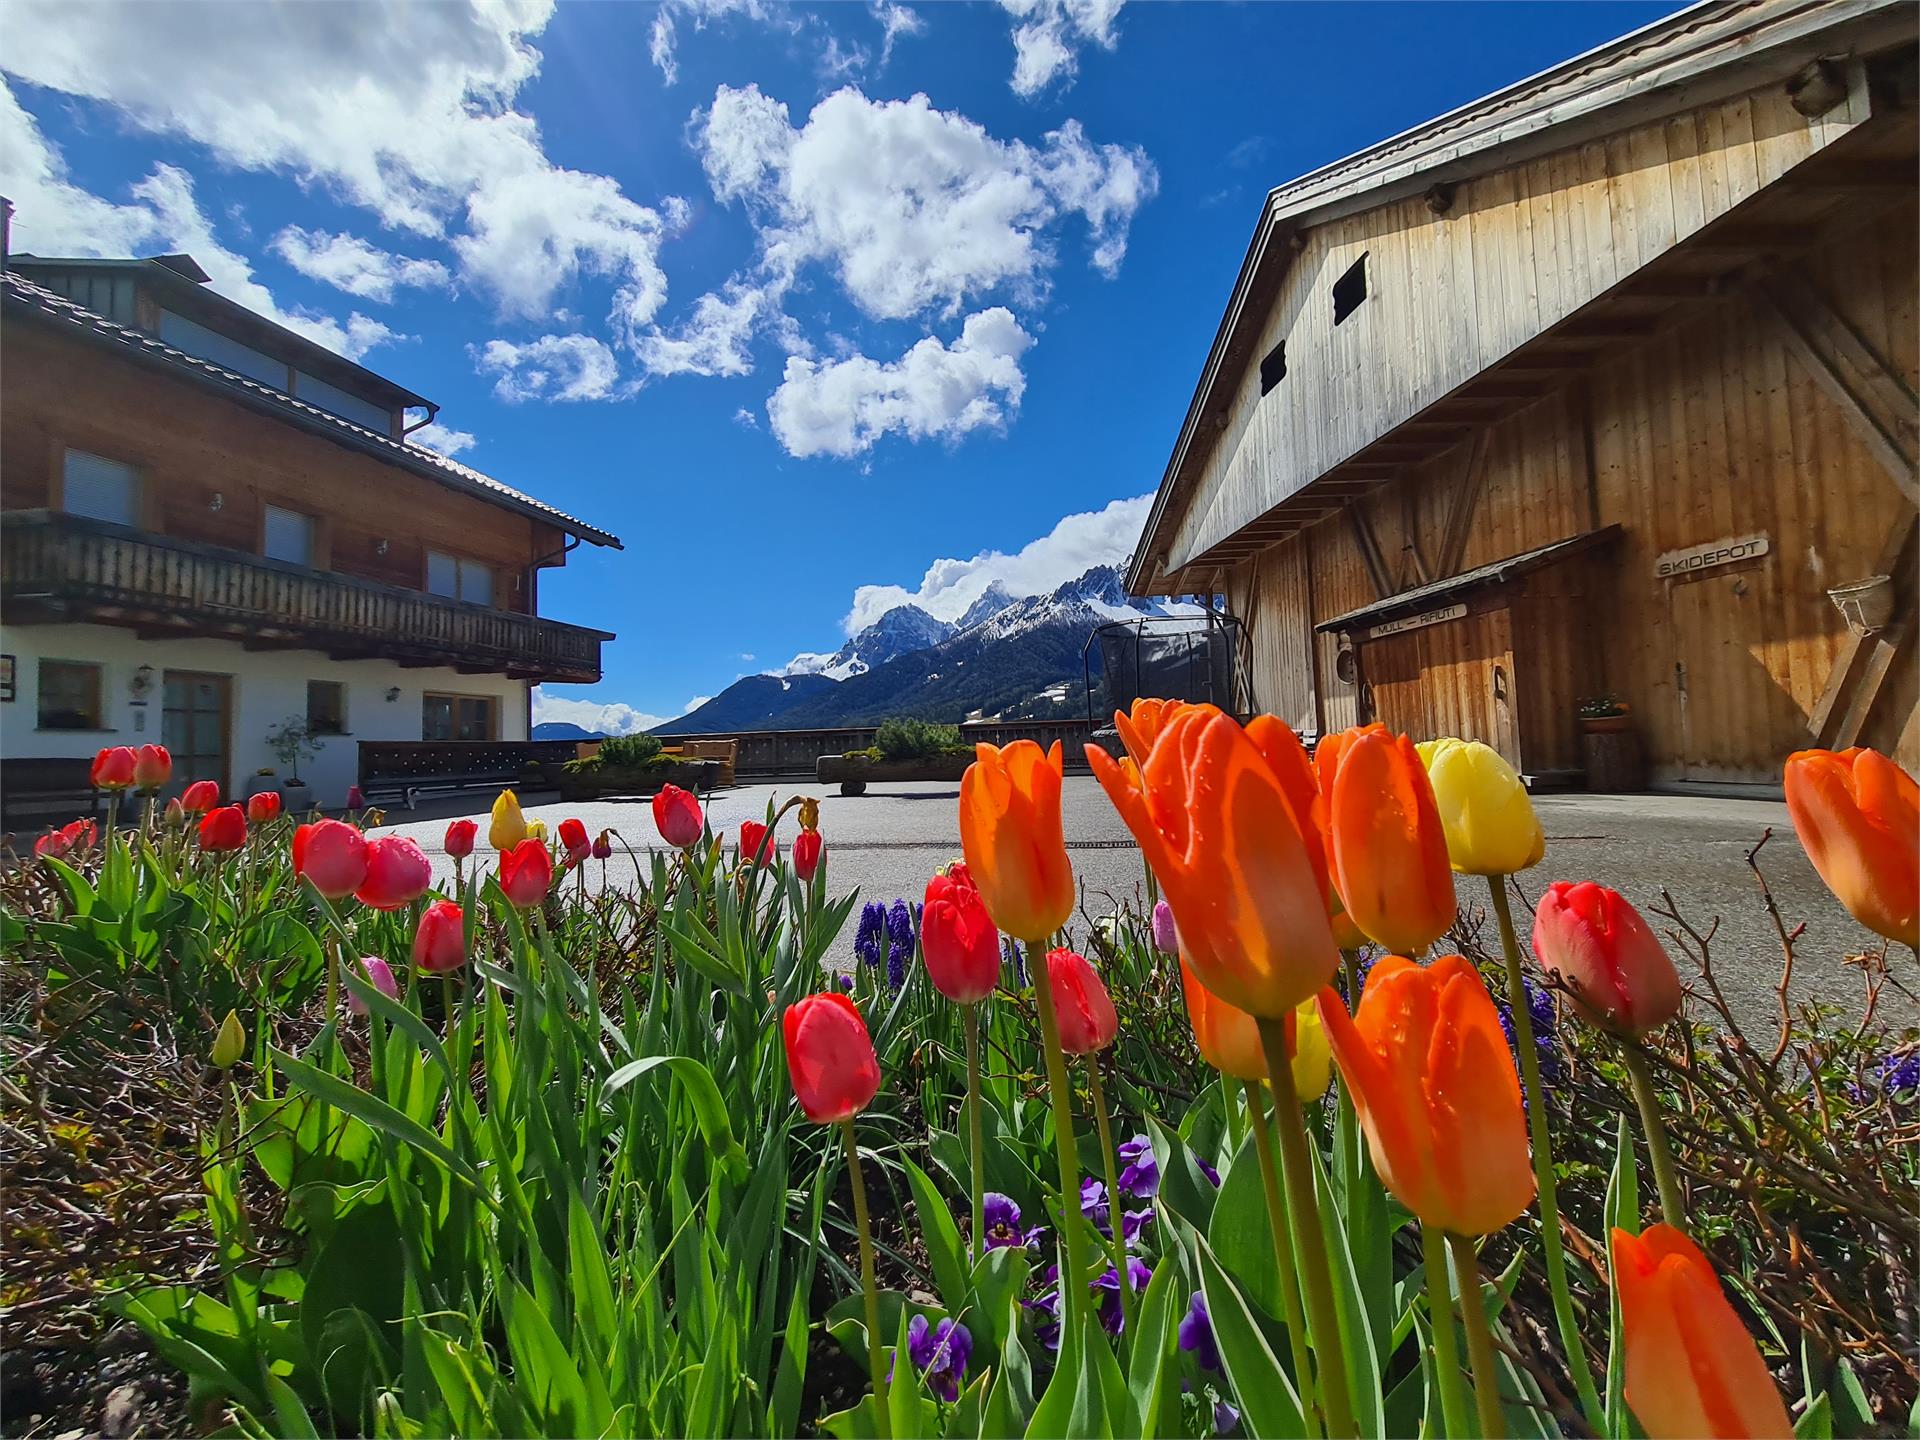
69	696
1349	290
288	536
458	717
101	489
459	579
1273	369
326	707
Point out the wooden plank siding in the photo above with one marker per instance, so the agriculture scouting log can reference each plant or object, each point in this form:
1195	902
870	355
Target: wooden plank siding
1450	295
1706	430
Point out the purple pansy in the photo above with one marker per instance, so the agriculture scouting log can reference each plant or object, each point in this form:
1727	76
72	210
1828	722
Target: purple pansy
1207	1170
1196	1334
1046	1309
1225	1417
1112	1317
1093	1205
1140	1176
1000	1219
939	1352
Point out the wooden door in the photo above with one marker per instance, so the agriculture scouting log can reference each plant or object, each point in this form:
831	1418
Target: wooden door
194	725
1728	704
1451	678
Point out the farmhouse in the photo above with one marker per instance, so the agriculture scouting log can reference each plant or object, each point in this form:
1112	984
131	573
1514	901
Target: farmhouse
1601	387
214	527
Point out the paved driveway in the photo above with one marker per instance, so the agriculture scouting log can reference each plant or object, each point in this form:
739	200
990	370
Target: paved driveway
888	841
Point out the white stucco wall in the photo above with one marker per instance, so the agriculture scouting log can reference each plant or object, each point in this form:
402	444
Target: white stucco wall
266	687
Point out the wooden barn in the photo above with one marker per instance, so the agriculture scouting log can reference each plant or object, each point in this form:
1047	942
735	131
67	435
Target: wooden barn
1602	387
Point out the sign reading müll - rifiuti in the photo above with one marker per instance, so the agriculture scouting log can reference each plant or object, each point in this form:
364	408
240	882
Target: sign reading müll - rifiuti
1677	564
1416	622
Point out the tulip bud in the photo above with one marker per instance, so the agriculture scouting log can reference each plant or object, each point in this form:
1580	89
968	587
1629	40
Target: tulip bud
460	835
1081	1005
200	797
676	814
398	873
808	847
1596	944
603	845
263	807
332	856
1166	938
830	1057
958	940
537	830
1011	833
440	940
356	798
113	768
230	1044
573	840
152	767
1490	824
380	975
1857	814
756	846
526	873
175	815
1386	845
223	830
509	825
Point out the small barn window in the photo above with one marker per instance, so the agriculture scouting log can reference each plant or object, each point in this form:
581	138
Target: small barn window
1349	290
1273	369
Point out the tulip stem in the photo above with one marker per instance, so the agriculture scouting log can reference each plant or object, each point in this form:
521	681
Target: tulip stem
1673	1207
1446	1354
1073	1278
974	1136
1283	1257
1116	1224
868	1288
1486	1386
1564	1318
1309	1244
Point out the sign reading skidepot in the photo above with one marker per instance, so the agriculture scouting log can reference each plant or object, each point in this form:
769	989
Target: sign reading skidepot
1678	564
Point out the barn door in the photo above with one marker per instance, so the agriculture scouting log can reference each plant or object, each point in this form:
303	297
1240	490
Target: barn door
1727	704
1452	678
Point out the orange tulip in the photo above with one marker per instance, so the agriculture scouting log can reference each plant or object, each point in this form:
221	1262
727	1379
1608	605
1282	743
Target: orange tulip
1216	822
1858	816
1229	1040
1691	1367
1386	844
1140	729
1010	832
1434	1085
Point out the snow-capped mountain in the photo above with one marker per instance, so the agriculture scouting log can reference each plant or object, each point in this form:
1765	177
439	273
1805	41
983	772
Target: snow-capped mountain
992	601
900	631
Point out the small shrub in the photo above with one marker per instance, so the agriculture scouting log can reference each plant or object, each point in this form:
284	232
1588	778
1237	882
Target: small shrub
629	749
909	739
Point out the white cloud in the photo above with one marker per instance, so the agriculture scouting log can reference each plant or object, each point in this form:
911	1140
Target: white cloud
895	20
663	38
843	407
713	340
442	440
56	217
602	718
407	111
1070	549
1046	36
554	367
915	209
746	657
349	263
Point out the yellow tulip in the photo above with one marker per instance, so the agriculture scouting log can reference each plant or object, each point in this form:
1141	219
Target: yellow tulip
1490	824
1229	1040
537	830
509	826
230	1044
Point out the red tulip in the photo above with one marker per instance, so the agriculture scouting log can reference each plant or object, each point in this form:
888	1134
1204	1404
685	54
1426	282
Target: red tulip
573	840
526	873
808	847
223	829
77	835
830	1057
460	835
603	845
440	941
676	814
332	856
356	798
1087	1020
152	767
263	807
398	873
1595	943
113	768
200	797
958	938
756	845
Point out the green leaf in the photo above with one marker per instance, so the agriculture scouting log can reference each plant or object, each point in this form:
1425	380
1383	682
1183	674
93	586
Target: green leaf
1622	1212
697	1084
1241	1234
1152	1375
993	1309
942	1238
1269	1405
570	1397
1356	1335
1816	1422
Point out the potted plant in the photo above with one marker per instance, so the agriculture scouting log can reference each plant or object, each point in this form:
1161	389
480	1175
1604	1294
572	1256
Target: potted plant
1604	715
288	742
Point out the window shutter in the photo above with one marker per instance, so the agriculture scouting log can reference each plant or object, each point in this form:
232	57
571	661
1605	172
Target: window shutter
289	536
443	575
101	489
476	583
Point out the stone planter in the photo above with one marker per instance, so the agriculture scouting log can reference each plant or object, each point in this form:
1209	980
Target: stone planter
639	780
853	773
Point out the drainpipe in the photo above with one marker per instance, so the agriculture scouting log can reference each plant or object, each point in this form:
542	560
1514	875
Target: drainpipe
6	232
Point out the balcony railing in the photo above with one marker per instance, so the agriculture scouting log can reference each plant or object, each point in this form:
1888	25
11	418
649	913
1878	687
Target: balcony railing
56	567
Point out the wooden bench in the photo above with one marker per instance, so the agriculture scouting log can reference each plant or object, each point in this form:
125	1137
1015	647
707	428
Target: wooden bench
408	771
727	752
36	793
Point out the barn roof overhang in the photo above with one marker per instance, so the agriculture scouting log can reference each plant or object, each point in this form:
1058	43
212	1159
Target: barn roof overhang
1483	577
1700	55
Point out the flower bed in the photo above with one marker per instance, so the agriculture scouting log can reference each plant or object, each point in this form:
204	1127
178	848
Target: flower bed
531	1157
856	770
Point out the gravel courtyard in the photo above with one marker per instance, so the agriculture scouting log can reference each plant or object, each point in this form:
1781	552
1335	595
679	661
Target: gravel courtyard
888	841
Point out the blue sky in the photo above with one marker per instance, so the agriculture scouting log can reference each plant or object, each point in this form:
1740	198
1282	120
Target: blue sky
818	308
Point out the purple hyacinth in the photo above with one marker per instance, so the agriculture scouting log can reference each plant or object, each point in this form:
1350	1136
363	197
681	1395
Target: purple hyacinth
1540	1010
1896	1076
843	980
1166	939
1112	1317
1140	1172
940	1352
1012	954
873	926
1196	1334
899	943
1000	1220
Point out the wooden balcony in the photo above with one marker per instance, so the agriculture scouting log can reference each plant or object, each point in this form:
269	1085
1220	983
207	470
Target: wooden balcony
58	568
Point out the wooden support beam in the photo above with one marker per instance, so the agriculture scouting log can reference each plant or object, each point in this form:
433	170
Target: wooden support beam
1420	572
1466	499
1877	402
1859	670
1369	548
